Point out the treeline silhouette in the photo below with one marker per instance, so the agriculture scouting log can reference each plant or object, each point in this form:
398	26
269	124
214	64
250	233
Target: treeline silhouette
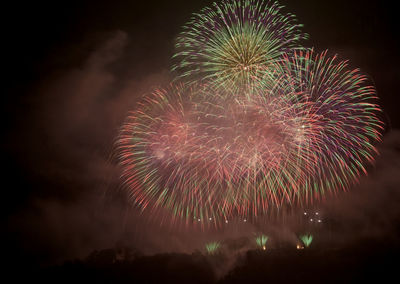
367	260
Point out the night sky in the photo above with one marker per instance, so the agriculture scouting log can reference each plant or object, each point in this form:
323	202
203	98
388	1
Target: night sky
73	69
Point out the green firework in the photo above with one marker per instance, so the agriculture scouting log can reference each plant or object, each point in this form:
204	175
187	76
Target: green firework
235	43
306	239
261	241
212	247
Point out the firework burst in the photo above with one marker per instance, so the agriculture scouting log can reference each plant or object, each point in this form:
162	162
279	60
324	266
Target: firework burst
205	156
206	152
306	240
234	43
261	241
198	159
212	248
337	118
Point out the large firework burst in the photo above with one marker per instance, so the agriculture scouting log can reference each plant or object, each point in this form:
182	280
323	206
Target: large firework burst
220	148
234	43
338	121
203	155
199	159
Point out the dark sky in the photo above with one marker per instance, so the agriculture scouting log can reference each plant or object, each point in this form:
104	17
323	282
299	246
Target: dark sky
73	69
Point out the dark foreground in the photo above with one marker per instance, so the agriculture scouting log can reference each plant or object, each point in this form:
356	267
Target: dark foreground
366	261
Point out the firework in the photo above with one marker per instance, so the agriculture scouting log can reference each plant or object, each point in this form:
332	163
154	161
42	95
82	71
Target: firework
261	241
213	247
194	157
205	154
161	146
335	119
235	43
306	239
186	153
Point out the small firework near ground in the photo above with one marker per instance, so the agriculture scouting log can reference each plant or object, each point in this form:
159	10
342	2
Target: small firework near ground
256	121
306	239
261	241
212	248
